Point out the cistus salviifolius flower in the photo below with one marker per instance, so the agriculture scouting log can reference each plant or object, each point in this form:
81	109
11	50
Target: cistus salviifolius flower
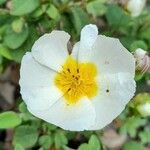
84	90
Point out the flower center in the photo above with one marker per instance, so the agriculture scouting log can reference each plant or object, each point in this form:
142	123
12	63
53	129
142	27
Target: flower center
77	80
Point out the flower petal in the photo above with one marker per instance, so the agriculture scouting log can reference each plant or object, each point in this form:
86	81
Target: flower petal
37	84
115	91
75	50
51	49
76	117
110	56
88	36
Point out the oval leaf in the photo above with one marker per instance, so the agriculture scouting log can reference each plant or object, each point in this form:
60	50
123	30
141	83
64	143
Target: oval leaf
22	7
9	120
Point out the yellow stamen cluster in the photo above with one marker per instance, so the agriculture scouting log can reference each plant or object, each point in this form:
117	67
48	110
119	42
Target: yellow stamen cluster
77	80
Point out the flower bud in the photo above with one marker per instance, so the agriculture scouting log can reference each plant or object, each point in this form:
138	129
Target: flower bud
142	60
135	7
144	109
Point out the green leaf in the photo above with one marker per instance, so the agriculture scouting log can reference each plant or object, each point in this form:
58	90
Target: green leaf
116	17
53	12
60	139
45	141
26	136
14	40
79	17
96	8
51	127
23	107
17	54
131	124
132	145
145	136
2	1
127	41
145	34
17	25
5	52
93	144
138	75
25	114
23	7
18	147
39	12
9	119
3	29
138	44
84	147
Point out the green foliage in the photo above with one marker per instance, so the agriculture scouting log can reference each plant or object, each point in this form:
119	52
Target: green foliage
116	17
138	44
96	8
131	125
93	144
60	140
9	119
25	115
5	52
13	39
2	1
132	145
18	147
145	136
23	7
45	141
26	136
53	12
79	18
17	25
144	34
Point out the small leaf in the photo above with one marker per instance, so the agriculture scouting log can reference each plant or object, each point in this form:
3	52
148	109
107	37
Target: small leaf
84	147
5	52
37	13
14	40
18	147
53	12
131	125
22	7
45	141
9	120
79	17
96	8
145	34
23	107
116	17
17	25
94	143
138	44
25	114
132	145
145	136
26	136
2	1
60	140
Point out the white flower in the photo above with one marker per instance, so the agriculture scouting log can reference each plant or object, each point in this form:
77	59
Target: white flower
135	7
144	109
82	91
